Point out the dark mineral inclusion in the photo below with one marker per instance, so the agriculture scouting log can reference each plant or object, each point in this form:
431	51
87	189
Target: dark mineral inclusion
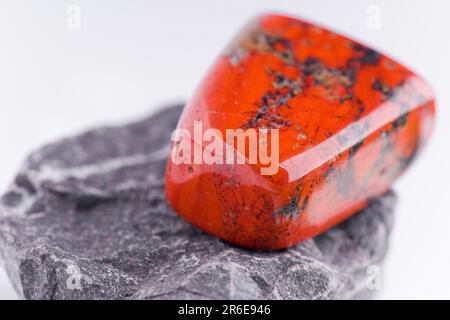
86	218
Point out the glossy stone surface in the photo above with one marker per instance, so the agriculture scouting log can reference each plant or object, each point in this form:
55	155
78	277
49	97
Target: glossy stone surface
351	120
87	218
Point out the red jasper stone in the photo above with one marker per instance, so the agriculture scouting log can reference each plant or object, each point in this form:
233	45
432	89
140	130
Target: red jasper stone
350	121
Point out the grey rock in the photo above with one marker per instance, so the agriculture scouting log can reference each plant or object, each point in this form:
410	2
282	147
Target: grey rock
86	218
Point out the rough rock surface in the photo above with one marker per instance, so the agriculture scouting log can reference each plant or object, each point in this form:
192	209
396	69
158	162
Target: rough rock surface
86	218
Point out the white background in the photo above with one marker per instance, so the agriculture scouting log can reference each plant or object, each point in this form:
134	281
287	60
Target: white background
130	57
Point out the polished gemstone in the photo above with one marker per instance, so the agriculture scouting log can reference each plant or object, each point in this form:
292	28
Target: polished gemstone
348	120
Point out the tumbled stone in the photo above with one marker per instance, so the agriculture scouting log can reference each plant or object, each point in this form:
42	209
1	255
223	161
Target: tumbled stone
86	218
348	122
